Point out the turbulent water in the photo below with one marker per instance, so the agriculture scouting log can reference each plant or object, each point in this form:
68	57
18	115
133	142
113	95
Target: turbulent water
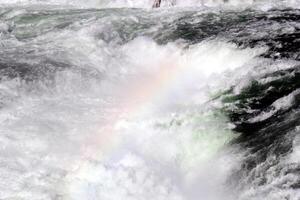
113	100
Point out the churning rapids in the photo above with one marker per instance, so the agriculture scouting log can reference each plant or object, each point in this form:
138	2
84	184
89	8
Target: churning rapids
113	100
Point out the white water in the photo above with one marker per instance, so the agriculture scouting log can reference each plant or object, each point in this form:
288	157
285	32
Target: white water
260	4
129	122
115	137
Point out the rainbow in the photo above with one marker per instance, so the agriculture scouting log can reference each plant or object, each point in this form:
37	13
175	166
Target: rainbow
141	92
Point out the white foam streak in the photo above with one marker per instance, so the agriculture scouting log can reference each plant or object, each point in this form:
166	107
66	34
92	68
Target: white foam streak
281	104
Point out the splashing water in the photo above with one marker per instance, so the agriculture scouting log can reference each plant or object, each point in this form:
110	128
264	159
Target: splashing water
138	104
